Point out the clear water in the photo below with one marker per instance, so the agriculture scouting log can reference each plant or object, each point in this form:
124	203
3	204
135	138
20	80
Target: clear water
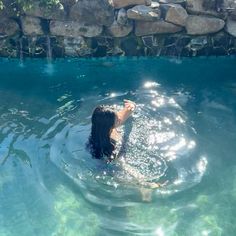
183	134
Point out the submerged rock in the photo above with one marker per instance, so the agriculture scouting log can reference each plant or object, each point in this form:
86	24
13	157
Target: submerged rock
156	27
74	29
99	12
198	25
117	30
175	14
8	27
125	3
145	13
31	25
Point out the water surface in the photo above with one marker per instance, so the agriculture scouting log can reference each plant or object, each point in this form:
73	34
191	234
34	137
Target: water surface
183	134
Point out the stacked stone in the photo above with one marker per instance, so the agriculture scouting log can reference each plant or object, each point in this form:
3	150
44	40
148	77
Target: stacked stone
120	27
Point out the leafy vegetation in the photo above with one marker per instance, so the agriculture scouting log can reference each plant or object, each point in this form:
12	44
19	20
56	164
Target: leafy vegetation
1	5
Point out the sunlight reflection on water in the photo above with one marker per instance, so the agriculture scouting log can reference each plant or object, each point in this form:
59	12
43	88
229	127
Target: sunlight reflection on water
157	145
183	130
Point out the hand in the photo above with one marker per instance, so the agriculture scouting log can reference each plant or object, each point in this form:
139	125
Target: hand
129	105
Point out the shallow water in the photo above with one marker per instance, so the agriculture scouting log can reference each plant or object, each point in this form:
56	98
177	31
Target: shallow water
183	134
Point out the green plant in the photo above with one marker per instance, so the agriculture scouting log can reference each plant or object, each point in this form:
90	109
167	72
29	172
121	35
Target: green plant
27	4
1	5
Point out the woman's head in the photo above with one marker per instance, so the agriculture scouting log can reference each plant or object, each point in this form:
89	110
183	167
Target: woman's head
104	116
103	121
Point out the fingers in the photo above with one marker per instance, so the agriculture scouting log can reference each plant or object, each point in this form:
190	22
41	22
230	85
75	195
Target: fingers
129	105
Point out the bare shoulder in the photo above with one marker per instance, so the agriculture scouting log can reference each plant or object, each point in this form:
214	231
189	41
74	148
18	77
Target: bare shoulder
115	135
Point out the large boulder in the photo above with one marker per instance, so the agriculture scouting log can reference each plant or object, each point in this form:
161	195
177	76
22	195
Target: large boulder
175	14
74	29
207	7
231	27
198	25
8	27
98	12
145	13
42	10
125	3
173	1
31	25
155	27
117	30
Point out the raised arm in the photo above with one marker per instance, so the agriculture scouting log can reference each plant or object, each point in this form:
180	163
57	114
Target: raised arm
124	114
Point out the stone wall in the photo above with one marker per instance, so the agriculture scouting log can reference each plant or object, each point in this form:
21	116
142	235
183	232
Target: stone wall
85	28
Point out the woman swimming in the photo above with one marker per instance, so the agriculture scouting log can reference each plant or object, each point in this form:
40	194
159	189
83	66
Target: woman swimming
104	136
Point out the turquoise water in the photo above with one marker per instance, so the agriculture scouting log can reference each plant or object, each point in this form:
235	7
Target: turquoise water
183	134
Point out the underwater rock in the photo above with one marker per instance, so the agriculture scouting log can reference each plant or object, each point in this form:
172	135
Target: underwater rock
55	12
175	14
31	25
8	27
99	12
117	30
231	27
125	3
156	27
198	25
145	13
74	29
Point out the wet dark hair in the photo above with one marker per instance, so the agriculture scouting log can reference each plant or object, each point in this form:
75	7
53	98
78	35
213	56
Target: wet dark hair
103	121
